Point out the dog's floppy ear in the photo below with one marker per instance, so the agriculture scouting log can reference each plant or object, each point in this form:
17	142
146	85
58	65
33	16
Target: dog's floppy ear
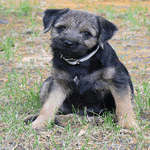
107	30
50	15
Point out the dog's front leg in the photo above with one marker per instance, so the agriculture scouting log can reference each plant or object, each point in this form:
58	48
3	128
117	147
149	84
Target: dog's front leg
124	109
50	107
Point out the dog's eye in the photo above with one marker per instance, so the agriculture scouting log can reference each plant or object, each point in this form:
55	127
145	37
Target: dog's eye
86	33
61	28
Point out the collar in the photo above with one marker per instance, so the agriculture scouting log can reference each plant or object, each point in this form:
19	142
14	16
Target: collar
78	61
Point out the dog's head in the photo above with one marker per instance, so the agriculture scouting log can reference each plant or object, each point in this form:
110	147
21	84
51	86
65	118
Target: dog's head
75	33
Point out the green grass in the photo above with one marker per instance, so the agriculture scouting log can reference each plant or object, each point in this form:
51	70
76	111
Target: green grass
134	16
7	45
143	97
24	8
22	81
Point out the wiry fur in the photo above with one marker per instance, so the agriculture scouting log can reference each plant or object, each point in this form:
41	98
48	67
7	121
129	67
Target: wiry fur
100	83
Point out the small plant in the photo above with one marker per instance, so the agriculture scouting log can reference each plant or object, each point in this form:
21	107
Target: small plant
108	120
7	45
143	100
1	7
26	7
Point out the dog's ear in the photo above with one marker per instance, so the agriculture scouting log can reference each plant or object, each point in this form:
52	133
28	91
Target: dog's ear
107	30
50	15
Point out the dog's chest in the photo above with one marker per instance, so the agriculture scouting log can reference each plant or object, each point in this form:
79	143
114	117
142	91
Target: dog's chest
86	83
87	90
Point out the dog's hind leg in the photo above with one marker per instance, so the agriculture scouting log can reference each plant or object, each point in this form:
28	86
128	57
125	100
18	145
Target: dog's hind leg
30	118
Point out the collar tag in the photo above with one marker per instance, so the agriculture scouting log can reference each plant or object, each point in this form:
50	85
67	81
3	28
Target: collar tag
76	80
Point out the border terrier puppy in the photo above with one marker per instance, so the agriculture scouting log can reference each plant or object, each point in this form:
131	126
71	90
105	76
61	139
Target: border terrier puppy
86	71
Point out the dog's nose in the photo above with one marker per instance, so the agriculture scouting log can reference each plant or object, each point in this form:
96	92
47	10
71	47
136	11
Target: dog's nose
68	44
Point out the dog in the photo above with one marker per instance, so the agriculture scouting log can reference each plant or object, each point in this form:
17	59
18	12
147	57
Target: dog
86	72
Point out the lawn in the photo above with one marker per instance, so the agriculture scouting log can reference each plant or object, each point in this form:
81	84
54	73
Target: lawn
25	62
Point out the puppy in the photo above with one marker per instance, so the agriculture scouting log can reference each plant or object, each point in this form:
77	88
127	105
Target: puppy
86	71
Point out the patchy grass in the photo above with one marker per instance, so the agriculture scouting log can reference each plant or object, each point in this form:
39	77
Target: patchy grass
7	45
24	64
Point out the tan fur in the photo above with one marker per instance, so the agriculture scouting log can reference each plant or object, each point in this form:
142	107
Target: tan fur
50	107
124	109
108	73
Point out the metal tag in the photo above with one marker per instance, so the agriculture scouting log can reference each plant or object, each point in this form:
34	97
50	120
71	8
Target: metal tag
76	80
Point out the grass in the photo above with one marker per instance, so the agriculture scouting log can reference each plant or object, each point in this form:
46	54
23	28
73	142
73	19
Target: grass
134	16
143	97
7	45
22	78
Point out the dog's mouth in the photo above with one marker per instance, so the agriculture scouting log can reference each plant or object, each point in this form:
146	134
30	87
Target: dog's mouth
76	55
73	53
69	53
66	57
73	61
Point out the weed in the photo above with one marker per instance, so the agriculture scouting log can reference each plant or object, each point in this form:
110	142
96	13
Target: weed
7	45
135	15
1	7
110	9
26	7
143	100
86	142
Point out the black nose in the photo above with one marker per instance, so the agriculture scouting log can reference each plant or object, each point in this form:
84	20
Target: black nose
69	44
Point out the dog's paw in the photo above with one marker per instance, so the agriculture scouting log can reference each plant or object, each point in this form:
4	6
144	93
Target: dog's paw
41	122
128	124
38	125
64	120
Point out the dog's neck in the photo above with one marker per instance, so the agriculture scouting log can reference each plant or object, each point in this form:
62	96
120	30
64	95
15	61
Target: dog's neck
80	60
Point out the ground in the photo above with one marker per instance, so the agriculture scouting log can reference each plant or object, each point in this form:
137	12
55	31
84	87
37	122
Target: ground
25	63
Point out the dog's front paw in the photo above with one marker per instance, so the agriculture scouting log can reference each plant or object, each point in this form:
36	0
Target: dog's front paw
38	125
41	122
130	123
